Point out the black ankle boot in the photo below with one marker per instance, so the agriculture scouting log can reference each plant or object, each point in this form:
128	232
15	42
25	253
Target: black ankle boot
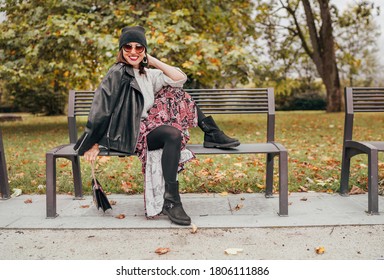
214	137
172	205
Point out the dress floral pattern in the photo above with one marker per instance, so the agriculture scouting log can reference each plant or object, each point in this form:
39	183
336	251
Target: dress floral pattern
174	107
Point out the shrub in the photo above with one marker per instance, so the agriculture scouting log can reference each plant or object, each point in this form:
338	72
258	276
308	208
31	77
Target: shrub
302	101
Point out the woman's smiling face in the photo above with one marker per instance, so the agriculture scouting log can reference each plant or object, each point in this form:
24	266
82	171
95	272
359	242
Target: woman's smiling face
134	53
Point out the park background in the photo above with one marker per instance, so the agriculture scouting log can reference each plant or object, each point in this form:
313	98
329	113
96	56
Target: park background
50	47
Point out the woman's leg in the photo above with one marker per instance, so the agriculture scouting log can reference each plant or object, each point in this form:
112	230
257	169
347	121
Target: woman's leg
213	136
169	139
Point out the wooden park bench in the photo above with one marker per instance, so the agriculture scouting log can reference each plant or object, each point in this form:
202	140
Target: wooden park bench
4	185
361	100
211	101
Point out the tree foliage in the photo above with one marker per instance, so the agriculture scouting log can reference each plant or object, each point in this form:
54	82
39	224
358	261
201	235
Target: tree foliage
49	47
297	29
356	33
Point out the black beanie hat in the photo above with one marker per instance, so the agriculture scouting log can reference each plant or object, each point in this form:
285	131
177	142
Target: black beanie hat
132	34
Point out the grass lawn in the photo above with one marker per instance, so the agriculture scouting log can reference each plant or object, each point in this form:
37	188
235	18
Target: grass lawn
313	140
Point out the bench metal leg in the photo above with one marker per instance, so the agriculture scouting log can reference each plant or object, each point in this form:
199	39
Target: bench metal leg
283	183
77	177
345	173
51	185
269	176
373	195
4	185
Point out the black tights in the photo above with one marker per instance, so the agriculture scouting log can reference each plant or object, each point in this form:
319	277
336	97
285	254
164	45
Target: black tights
169	139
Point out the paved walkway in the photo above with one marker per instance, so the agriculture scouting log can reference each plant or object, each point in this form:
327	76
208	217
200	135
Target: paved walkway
206	211
248	221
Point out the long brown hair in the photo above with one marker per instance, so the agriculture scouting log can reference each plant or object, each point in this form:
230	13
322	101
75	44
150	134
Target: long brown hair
120	59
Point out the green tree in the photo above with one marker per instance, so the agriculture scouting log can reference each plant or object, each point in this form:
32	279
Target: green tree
356	33
309	27
49	47
208	39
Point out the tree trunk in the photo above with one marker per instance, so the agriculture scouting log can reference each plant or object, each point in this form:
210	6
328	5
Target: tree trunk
323	53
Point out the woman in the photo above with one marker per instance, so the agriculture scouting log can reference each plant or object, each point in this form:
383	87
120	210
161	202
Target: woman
137	110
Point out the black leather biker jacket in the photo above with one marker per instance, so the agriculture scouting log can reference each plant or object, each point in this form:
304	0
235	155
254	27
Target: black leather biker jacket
114	118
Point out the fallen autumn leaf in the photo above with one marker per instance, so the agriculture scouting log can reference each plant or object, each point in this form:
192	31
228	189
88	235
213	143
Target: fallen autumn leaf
356	190
239	206
16	192
162	251
194	229
320	250
233	251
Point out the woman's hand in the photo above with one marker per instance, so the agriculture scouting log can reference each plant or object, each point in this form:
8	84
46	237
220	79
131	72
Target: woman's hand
92	153
170	71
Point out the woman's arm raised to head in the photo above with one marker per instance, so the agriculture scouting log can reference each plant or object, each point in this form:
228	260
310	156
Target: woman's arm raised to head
172	72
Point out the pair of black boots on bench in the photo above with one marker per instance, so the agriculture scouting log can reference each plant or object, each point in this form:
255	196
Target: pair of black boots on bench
213	138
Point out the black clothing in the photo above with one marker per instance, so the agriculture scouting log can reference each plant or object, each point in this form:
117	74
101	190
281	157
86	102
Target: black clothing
114	119
168	138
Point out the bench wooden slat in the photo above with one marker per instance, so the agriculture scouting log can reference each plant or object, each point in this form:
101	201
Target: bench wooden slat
369	110
232	101
365	99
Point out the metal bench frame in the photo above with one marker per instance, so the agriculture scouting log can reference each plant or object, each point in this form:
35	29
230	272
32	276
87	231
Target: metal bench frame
361	99
4	185
211	101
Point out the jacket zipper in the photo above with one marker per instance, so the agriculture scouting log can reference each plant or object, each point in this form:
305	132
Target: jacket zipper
82	142
108	134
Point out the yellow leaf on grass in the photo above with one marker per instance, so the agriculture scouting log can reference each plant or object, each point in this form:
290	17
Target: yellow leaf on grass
224	193
208	160
356	190
103	159
64	164
16	192
303	189
262	187
126	186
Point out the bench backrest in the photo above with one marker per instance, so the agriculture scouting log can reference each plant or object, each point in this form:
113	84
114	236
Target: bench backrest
211	101
361	99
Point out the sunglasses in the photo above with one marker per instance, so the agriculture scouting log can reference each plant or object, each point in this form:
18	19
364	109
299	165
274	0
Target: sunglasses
139	48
